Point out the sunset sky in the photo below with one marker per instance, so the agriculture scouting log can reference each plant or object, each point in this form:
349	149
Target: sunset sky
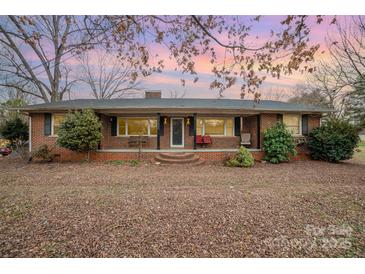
169	80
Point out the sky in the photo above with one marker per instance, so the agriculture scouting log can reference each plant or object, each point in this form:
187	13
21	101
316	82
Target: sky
169	81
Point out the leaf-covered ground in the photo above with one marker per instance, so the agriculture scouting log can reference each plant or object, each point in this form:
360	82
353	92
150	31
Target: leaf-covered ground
300	209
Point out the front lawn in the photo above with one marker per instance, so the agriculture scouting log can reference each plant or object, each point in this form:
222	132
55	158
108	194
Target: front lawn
301	209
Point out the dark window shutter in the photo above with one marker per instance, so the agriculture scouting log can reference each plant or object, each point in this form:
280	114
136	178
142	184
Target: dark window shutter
305	124
279	118
237	126
113	127
162	126
47	124
191	126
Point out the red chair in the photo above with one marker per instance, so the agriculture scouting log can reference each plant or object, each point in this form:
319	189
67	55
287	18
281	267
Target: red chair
199	140
207	139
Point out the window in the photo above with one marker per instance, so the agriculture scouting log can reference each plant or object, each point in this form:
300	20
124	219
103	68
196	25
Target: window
292	122
215	126
137	126
229	127
57	120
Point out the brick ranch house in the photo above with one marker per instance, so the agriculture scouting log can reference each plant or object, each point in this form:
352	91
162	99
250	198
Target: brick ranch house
211	129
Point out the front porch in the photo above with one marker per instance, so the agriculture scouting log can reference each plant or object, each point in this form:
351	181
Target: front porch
179	132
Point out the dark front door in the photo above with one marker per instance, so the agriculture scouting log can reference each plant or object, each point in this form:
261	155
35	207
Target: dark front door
177	132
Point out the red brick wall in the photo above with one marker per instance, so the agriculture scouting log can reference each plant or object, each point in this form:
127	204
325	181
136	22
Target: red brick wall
113	142
208	156
250	126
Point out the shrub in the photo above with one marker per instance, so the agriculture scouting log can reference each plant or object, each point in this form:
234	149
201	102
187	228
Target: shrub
45	153
243	158
334	141
134	162
14	130
80	132
278	144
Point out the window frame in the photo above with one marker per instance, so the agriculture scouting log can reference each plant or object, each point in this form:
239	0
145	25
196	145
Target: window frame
126	126
218	118
52	123
300	123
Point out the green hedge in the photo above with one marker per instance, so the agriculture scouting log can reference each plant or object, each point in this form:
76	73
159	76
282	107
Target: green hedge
334	141
278	144
242	159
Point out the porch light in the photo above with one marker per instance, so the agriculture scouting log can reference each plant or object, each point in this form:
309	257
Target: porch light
188	121
165	121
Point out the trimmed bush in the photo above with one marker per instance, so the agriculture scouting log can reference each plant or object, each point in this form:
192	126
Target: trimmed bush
80	132
334	141
278	144
243	158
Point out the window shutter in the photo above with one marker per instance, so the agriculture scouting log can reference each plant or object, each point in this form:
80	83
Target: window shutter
191	126
47	124
113	121
305	124
279	118
162	126
237	126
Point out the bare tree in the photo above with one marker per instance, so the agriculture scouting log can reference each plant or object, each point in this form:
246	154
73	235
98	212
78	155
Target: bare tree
52	39
327	82
276	94
34	50
7	94
304	94
336	79
108	77
348	52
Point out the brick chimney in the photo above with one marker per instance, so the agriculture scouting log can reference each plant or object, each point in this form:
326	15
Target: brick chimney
153	94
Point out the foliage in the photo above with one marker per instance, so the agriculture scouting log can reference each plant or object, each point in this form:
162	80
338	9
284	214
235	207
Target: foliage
44	152
116	162
355	110
134	162
243	158
278	144
80	132
333	141
15	130
6	113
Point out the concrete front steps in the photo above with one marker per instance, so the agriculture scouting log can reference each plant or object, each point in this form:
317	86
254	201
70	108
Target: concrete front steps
178	158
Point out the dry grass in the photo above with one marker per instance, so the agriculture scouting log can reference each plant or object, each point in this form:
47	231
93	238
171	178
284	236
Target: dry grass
118	210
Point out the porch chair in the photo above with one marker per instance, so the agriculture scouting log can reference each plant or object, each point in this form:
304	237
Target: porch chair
245	139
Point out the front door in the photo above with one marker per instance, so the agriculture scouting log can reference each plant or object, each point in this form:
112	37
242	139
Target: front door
177	132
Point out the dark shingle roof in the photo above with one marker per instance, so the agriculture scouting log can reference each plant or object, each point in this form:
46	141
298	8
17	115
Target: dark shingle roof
165	103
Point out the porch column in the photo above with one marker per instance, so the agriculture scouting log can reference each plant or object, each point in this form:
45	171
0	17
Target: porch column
158	130
194	130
